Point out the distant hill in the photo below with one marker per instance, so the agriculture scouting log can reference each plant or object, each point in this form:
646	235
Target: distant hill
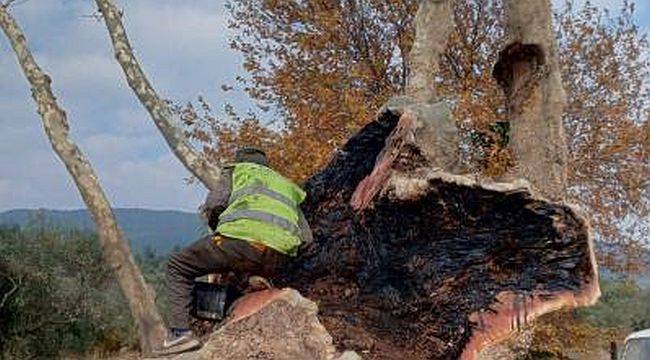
161	230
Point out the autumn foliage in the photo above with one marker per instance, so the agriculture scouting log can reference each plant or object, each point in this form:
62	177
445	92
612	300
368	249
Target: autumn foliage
319	70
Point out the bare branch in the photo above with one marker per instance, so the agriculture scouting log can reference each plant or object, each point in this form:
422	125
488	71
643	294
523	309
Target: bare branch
97	16
115	249
15	285
9	3
159	110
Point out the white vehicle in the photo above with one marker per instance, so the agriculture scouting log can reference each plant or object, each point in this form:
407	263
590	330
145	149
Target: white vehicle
637	346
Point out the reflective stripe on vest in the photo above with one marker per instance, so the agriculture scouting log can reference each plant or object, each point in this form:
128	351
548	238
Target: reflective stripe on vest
263	207
258	189
264	217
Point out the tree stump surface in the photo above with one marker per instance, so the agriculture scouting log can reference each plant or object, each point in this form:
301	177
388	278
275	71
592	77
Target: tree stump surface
412	260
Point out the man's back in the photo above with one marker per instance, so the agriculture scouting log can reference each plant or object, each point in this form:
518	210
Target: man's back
263	207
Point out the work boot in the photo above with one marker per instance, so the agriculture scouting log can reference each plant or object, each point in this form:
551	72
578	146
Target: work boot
179	341
257	283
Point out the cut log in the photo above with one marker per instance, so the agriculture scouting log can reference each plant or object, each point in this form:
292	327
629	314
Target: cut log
413	260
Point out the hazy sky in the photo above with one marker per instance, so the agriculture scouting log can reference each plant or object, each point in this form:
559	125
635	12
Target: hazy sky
182	46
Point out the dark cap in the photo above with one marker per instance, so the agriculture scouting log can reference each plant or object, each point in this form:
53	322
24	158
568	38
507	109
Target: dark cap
251	155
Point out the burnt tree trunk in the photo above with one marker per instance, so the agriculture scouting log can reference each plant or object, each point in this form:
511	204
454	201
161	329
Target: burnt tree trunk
412	261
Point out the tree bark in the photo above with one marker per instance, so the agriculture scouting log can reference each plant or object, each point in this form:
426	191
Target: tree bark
160	112
528	70
115	249
433	25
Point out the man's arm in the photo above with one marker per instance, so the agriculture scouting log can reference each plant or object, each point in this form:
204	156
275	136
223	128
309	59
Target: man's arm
217	200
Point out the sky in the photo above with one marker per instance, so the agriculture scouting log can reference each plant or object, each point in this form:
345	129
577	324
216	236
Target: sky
181	45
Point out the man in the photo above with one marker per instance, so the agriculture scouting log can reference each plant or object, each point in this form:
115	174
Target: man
256	221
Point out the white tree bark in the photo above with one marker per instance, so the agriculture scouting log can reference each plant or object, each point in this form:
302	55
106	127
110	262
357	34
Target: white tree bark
115	249
159	111
433	24
421	105
529	71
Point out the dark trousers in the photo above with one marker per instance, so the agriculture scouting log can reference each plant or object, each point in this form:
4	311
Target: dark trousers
213	254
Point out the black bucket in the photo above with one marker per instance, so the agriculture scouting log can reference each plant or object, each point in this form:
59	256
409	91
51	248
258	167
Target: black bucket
212	301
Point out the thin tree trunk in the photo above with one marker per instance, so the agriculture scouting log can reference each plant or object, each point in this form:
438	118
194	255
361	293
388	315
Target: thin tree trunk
115	249
433	25
160	112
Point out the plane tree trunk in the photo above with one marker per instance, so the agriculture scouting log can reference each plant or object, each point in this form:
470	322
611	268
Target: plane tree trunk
115	249
529	72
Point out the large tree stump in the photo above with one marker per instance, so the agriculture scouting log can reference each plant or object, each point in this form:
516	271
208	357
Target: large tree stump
411	260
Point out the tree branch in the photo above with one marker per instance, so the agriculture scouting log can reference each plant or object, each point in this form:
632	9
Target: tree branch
158	109
9	3
15	285
433	24
115	249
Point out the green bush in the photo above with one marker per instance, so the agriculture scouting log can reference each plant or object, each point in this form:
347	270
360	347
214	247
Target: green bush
57	297
623	305
622	309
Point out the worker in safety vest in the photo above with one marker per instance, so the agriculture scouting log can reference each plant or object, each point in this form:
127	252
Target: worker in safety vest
256	221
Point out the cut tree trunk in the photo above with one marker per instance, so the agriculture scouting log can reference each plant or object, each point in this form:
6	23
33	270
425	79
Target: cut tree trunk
411	260
271	324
